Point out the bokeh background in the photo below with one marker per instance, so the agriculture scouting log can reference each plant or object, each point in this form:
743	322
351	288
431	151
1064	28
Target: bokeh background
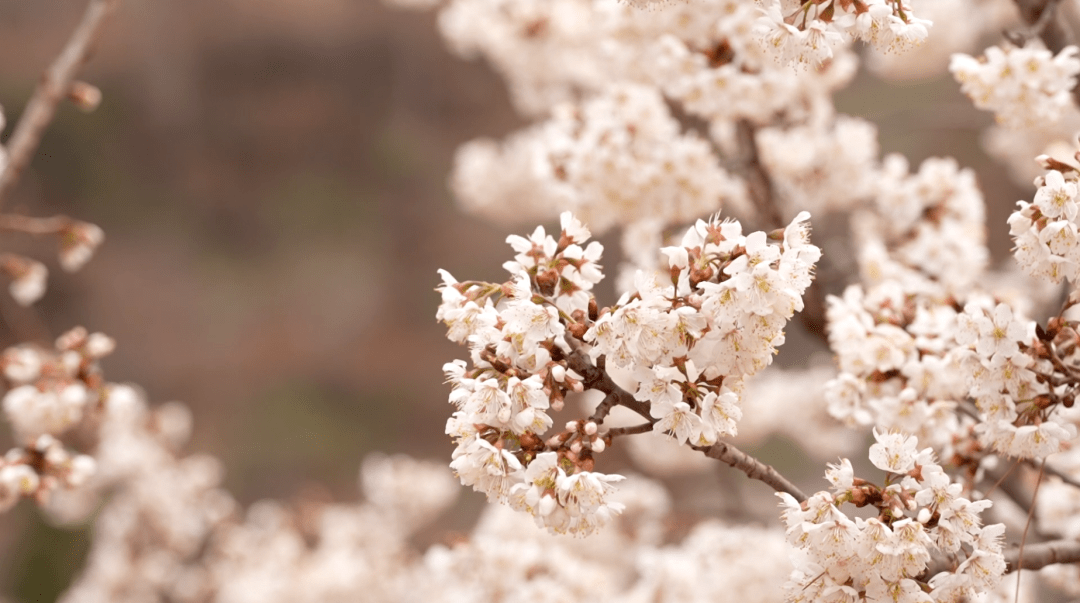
271	177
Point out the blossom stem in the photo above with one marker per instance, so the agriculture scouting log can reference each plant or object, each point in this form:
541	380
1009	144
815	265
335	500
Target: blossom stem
53	87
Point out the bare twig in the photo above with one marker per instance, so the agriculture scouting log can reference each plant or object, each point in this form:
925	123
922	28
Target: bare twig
753	468
1027	525
1058	473
53	88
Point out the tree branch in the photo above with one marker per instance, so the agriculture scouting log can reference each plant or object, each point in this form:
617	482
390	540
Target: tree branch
597	378
758	183
753	468
1038	556
619	431
53	87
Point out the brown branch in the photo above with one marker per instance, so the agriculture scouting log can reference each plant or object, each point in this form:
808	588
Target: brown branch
620	431
758	183
54	86
595	377
1038	556
605	407
753	468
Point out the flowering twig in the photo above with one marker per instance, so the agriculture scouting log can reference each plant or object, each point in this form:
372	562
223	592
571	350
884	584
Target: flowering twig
54	86
597	378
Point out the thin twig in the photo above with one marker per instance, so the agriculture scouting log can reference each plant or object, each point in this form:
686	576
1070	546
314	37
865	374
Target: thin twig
753	468
642	428
53	87
1000	480
1058	473
1031	514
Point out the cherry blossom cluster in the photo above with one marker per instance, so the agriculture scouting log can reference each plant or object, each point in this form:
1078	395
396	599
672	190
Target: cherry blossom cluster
203	547
924	231
823	165
172	532
896	371
1014	381
618	158
729	77
50	392
907	363
520	351
921	515
921	242
688	347
958	25
642	110
920	342
1022	86
1047	245
807	31
684	350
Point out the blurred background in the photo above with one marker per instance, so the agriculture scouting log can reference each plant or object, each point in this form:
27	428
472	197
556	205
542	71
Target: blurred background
271	179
